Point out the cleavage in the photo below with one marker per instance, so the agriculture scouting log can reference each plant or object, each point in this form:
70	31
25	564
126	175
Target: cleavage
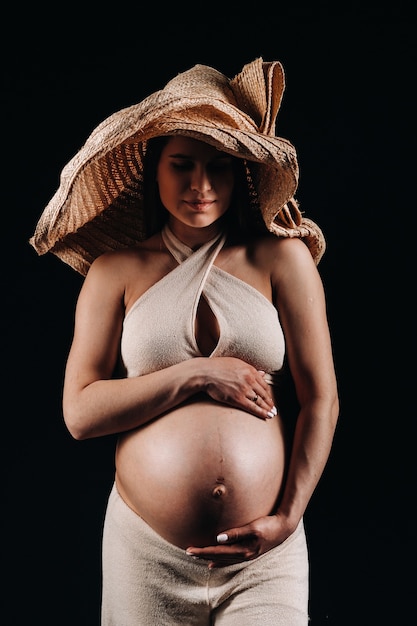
207	331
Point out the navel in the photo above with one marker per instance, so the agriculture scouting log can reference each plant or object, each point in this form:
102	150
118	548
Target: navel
220	489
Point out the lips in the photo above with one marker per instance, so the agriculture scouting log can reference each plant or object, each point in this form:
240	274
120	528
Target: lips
200	205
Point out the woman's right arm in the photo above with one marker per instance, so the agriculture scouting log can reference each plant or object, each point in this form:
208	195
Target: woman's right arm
95	404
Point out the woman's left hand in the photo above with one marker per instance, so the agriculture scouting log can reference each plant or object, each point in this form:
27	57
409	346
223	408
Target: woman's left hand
244	543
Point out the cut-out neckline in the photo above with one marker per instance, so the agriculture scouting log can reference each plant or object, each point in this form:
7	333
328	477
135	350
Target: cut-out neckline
206	326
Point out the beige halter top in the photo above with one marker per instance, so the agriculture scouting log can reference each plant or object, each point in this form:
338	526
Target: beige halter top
158	330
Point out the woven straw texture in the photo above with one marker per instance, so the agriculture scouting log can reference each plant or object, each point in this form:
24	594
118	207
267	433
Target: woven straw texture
98	205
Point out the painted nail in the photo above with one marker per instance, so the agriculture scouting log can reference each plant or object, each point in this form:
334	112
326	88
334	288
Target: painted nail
191	554
222	538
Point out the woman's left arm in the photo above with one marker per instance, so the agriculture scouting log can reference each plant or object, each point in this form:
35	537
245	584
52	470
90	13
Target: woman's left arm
300	300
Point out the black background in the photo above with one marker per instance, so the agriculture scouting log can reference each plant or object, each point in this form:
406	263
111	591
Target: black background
349	109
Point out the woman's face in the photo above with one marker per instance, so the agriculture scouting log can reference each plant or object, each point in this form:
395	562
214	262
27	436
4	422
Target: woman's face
195	181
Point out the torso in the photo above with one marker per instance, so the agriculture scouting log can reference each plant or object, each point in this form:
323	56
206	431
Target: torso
203	467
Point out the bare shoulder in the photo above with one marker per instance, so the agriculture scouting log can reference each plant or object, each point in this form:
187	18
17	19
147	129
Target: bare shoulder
283	251
122	259
128	263
129	272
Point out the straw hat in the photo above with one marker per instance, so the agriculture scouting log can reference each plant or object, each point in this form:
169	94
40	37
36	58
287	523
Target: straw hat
98	205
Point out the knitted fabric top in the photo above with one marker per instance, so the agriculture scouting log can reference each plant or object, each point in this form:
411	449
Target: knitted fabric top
158	330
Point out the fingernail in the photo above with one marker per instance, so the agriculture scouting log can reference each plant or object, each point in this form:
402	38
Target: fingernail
274	410
271	414
222	538
191	554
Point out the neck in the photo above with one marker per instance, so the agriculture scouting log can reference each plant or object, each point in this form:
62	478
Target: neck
193	237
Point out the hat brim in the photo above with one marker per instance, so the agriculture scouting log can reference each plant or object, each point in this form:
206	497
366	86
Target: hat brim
98	205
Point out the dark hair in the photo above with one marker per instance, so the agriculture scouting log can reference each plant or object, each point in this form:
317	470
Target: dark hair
154	211
243	215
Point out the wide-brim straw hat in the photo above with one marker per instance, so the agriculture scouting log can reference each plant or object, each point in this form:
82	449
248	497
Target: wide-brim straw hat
99	206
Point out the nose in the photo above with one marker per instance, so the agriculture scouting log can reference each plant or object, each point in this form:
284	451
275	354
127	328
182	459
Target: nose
200	179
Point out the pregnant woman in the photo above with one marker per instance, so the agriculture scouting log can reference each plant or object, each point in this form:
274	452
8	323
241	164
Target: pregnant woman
201	300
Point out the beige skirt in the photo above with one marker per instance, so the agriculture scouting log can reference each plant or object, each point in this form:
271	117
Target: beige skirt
147	581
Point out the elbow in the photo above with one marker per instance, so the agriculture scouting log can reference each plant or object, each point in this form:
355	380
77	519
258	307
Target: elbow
334	410
76	431
76	426
324	408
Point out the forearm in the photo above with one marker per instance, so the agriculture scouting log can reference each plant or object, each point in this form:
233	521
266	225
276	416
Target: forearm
311	447
106	407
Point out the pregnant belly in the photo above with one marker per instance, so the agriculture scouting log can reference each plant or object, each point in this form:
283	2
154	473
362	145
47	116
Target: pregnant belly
201	469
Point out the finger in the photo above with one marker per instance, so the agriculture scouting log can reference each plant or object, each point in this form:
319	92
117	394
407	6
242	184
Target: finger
263	389
219	564
261	406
